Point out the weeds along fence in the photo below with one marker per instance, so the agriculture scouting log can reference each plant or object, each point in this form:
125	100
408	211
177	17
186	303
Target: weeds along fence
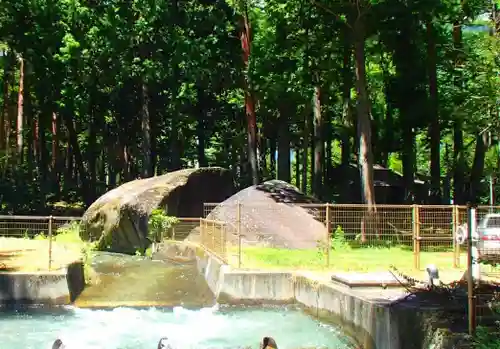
424	233
44	229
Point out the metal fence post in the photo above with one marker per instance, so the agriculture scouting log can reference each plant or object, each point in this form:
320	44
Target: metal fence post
471	265
456	245
50	243
238	228
328	235
416	236
213	236
173	232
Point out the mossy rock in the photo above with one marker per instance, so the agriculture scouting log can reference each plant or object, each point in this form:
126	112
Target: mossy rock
118	220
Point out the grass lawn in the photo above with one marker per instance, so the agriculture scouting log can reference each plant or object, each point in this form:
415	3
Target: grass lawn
29	255
355	259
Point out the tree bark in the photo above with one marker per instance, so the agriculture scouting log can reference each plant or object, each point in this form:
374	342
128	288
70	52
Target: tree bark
20	111
283	144
365	157
434	129
249	99
458	138
147	170
318	144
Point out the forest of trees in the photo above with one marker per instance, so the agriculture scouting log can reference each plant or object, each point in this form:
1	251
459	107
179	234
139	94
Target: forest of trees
95	93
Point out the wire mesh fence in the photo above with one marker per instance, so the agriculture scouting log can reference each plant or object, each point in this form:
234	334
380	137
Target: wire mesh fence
350	236
28	242
181	229
213	237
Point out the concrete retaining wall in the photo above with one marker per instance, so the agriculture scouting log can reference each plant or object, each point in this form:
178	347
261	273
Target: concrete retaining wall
373	324
42	288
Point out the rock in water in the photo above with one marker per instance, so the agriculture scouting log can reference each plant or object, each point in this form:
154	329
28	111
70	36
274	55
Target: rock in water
271	216
119	218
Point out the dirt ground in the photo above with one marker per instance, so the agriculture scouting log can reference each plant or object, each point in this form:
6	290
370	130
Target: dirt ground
17	254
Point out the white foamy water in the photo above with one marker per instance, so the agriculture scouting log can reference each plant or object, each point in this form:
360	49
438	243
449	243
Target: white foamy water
129	328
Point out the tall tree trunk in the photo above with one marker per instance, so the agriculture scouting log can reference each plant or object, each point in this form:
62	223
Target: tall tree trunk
365	154
434	129
305	149
388	122
147	170
263	156
55	146
283	144
297	166
318	144
200	134
4	116
482	144
73	140
346	118
365	157
200	128
273	141
20	111
249	99
458	138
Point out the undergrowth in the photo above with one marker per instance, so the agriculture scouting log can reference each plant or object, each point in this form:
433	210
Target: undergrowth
70	234
487	338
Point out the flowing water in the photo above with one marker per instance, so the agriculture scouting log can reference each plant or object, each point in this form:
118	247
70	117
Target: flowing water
132	280
132	328
175	303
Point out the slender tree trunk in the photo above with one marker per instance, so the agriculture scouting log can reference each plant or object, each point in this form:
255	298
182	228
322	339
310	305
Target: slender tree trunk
346	118
200	128
365	154
283	144
434	129
55	143
4	116
297	166
245	37
305	150
20	111
364	116
388	123
147	170
273	141
458	139
482	144
73	139
318	144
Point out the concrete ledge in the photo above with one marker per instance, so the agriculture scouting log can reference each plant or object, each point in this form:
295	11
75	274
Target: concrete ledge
371	320
59	287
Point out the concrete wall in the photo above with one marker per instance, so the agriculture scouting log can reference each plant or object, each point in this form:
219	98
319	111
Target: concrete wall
42	288
374	324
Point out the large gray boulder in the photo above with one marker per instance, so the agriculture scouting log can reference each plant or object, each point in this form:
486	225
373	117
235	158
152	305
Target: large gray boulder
271	215
118	220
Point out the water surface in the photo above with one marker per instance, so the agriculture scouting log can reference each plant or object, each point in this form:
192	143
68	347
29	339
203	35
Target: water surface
132	328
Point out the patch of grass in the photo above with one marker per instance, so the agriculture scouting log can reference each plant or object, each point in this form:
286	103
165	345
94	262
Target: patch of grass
25	254
351	259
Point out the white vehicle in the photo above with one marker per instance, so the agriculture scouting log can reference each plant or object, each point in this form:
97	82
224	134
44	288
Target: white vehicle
487	235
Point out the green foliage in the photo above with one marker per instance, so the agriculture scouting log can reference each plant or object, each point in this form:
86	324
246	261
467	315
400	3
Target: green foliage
96	74
487	338
70	229
159	223
338	240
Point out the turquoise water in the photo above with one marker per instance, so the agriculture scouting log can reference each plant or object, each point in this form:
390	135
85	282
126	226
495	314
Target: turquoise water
131	328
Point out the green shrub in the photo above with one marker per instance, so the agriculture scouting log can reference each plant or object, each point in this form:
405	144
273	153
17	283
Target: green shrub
338	240
159	223
487	338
